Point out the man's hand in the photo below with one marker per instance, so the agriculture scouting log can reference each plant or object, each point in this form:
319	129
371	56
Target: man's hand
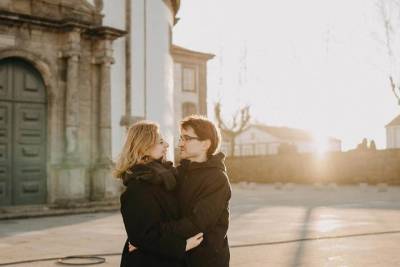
194	241
131	247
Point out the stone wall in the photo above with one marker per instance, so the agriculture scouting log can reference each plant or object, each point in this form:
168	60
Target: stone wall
73	53
382	166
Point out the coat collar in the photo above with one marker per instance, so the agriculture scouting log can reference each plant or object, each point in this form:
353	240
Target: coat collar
215	161
154	172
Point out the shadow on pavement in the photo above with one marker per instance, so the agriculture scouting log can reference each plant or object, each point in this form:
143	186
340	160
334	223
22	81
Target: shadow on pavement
15	227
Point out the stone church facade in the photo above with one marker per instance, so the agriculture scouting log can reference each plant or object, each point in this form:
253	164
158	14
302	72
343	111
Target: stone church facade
55	110
74	74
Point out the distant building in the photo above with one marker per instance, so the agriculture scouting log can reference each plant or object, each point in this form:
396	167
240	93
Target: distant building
190	83
260	139
393	133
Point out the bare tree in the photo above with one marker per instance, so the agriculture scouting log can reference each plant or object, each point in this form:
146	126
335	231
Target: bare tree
372	145
390	15
394	87
240	121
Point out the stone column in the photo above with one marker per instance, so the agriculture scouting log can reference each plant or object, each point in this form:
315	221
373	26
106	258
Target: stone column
104	186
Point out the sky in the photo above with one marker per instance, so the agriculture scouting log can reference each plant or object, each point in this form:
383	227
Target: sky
317	65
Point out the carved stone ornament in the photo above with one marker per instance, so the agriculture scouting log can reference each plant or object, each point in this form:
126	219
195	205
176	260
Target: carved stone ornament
99	5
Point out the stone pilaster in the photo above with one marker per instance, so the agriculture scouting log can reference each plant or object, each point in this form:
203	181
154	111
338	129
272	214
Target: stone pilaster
71	173
72	110
105	110
103	185
72	54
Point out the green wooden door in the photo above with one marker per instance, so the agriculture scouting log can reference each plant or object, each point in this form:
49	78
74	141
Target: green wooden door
22	134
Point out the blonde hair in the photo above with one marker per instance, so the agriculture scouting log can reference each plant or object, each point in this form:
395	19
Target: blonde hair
140	137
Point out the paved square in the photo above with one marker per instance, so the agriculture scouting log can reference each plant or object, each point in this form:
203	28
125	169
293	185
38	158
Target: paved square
295	225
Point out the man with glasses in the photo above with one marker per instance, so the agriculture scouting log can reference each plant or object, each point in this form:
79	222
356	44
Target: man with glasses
203	193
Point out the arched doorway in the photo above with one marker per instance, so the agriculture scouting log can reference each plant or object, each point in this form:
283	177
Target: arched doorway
23	119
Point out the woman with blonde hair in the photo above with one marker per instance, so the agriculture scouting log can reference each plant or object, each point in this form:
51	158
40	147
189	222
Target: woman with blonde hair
148	200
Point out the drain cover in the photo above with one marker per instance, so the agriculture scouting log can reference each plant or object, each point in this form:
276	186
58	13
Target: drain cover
81	260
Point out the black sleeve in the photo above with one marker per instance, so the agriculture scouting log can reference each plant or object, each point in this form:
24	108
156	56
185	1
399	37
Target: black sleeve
213	200
142	216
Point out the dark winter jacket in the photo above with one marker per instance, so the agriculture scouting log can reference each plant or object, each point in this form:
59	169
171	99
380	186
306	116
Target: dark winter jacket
148	201
203	195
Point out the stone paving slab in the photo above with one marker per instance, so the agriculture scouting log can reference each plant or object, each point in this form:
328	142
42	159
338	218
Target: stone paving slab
272	218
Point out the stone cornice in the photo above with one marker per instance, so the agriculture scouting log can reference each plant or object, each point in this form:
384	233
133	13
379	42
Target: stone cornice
9	18
180	51
73	54
106	32
107	60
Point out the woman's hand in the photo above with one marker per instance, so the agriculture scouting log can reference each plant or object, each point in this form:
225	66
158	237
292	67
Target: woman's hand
131	247
194	241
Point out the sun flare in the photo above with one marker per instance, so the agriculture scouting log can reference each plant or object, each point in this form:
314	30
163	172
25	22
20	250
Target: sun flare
321	145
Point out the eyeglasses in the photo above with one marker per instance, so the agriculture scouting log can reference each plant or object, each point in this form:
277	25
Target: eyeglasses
187	138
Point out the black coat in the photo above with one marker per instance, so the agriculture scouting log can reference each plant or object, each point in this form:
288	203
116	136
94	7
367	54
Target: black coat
203	196
144	205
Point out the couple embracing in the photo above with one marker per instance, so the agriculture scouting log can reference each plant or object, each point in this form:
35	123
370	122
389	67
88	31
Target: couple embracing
174	217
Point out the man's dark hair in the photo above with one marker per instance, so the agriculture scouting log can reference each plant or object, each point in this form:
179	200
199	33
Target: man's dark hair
205	130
